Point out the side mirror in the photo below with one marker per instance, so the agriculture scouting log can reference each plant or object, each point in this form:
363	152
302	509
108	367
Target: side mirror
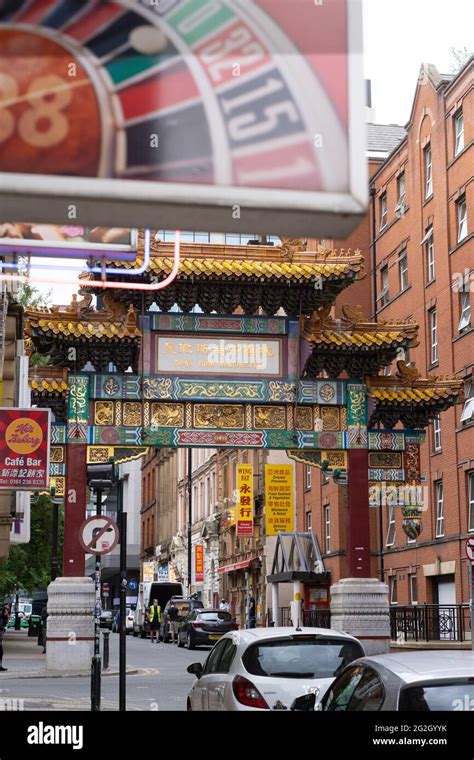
304	703
195	669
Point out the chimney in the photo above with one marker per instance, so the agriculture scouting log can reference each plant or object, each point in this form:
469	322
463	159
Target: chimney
369	111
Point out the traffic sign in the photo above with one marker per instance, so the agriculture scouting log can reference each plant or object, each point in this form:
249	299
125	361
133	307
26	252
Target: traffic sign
133	585
98	535
470	549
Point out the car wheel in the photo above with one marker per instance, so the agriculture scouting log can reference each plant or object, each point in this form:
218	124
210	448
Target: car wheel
142	635
180	642
189	642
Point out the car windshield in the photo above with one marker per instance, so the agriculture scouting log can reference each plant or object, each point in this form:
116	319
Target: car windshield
436	697
300	657
215	617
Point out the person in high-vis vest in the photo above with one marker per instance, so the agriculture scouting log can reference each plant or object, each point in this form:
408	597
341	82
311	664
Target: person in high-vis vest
154	616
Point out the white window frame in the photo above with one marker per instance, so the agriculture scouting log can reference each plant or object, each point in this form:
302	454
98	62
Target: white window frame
439	499
465	310
242	238
401	191
428	156
433	326
391	526
327	529
309	522
383	210
470	501
458	132
385	293
437	433
430	255
413	582
307	477
393	588
403	270
461	212
468	409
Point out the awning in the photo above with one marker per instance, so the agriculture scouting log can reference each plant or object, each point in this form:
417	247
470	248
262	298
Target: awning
236	566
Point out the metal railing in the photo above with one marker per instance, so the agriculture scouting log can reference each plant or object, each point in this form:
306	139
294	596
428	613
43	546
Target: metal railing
311	618
430	622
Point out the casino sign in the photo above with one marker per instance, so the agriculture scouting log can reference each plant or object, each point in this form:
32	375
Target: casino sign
131	104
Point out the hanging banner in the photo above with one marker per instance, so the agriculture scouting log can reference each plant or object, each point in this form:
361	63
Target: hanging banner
148	572
24	449
245	500
279	507
199	563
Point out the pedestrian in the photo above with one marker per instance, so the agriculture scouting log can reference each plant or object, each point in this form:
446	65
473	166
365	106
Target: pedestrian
154	616
224	605
173	617
251	612
44	617
4	617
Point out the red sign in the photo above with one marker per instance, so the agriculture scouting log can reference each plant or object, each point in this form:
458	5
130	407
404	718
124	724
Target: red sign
470	549
24	449
199	563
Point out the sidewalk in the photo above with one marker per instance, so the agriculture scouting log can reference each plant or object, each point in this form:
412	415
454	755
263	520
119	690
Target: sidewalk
23	658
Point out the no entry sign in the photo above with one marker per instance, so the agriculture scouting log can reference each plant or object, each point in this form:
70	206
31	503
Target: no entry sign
98	535
470	549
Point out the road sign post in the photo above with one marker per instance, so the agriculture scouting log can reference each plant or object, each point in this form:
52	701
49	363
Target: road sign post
470	556
98	535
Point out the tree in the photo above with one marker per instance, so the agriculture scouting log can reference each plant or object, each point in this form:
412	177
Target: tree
461	56
28	565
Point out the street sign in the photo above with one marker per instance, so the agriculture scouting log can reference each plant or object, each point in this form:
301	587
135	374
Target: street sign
125	112
24	449
132	585
470	549
98	535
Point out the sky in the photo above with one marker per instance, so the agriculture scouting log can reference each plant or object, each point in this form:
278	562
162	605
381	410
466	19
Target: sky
398	36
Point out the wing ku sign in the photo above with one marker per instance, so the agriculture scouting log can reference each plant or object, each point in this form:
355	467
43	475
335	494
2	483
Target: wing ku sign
24	449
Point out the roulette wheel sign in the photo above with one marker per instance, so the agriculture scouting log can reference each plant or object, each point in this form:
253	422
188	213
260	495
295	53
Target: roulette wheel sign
147	112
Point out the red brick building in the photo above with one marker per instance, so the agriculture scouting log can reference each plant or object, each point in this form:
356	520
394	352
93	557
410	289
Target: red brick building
422	209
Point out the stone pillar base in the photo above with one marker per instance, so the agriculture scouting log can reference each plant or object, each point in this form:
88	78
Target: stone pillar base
70	626
360	607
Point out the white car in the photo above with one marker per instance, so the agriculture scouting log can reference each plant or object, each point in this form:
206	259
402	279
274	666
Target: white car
268	668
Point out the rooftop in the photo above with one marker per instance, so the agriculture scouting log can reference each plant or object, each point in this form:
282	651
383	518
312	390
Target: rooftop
384	138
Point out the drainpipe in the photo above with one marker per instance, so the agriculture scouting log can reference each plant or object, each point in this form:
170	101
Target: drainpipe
375	314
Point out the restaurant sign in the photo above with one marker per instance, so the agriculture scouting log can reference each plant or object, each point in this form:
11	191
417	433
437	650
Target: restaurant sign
24	449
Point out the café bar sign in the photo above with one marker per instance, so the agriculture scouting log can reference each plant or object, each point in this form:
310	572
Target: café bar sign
24	449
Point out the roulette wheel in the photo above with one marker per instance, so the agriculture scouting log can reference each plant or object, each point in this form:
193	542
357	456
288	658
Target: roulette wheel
236	93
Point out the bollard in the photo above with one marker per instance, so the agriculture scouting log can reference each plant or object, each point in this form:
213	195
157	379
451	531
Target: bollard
105	658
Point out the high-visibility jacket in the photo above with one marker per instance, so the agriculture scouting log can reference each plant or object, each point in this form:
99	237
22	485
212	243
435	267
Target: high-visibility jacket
152	611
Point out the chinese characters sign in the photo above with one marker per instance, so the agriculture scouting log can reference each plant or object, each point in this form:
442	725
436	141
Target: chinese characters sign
184	354
199	563
279	509
24	449
245	500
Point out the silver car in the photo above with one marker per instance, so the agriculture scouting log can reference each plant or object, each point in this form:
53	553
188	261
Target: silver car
268	668
422	681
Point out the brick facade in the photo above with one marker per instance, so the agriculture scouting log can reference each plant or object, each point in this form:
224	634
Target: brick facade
409	287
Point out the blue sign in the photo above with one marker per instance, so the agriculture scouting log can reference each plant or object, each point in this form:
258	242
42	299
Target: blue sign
132	585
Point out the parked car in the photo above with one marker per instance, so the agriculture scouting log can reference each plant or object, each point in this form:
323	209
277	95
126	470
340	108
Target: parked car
204	627
24	621
268	668
129	610
106	619
406	681
184	606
